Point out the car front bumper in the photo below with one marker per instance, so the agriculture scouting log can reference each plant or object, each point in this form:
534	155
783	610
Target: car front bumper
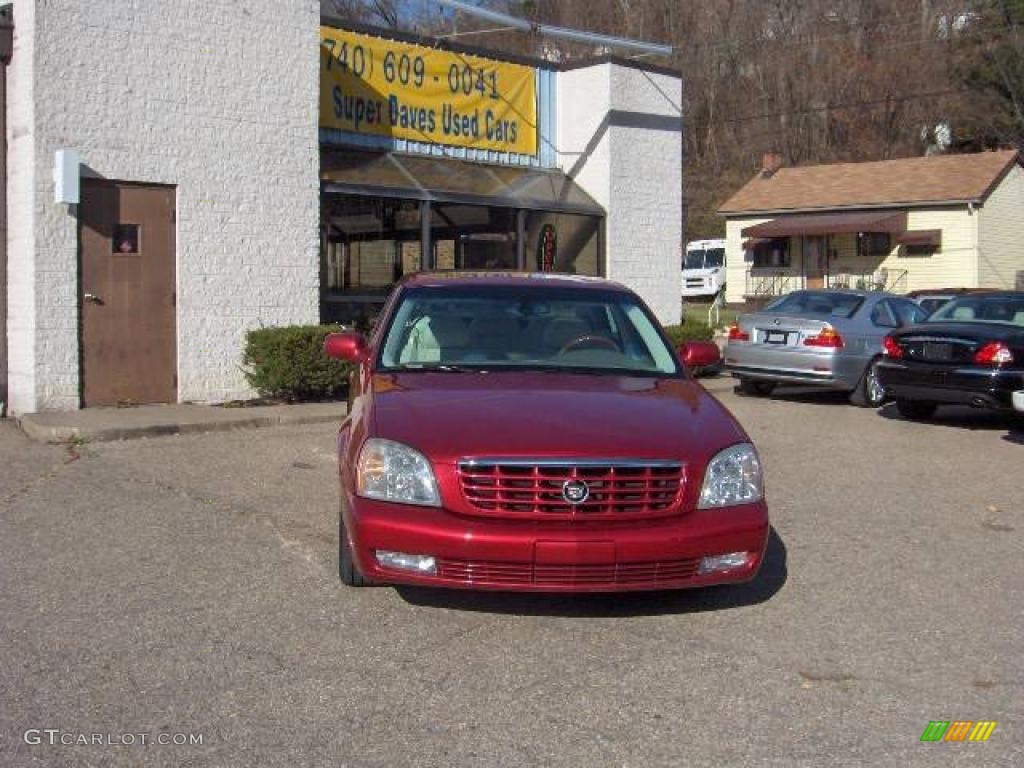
993	388
562	556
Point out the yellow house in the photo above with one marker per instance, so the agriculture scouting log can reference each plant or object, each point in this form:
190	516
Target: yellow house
943	221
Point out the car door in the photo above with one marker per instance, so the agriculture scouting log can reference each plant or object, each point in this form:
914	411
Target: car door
882	320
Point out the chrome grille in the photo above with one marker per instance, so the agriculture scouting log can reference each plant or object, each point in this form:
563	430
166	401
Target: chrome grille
534	488
529	574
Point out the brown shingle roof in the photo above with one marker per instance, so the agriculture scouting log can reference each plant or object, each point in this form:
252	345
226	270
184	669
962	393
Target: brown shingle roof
916	180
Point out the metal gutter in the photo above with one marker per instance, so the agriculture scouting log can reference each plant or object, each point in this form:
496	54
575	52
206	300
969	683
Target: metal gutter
575	35
837	208
6	51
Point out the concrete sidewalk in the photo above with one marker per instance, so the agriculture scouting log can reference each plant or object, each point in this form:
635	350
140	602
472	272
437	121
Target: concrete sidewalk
103	424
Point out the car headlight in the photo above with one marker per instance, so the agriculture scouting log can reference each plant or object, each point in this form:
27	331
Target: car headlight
391	471
733	476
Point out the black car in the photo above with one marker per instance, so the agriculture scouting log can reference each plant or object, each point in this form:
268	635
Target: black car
970	352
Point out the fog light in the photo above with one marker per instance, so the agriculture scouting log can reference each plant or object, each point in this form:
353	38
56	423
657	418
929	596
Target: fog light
717	563
404	562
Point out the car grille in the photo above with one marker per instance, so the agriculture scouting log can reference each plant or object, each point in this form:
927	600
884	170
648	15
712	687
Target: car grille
528	574
533	488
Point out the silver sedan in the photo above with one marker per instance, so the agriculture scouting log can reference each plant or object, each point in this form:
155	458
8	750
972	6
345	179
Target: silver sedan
827	338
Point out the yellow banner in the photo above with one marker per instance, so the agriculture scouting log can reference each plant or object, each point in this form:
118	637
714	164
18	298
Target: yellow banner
390	88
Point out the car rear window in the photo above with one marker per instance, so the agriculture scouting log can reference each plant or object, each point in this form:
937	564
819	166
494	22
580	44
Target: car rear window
817	304
982	309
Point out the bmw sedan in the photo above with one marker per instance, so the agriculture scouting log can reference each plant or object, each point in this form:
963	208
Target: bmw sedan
537	433
825	338
970	352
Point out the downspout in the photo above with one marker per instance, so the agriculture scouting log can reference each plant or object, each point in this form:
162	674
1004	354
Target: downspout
975	242
6	50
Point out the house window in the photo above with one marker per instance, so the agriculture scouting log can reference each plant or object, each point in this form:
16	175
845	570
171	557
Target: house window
771	254
875	244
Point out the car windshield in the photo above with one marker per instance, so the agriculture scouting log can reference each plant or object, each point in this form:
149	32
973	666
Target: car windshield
817	303
714	257
489	328
982	309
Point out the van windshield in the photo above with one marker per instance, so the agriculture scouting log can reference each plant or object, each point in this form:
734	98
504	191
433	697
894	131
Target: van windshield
709	258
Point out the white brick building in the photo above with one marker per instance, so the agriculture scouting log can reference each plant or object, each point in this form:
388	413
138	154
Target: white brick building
196	125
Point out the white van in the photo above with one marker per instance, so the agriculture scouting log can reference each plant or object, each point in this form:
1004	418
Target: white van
704	268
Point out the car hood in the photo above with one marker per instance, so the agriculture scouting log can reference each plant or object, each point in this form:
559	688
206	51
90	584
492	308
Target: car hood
449	416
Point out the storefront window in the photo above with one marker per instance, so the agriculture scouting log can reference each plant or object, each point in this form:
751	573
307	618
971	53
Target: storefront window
567	242
369	243
480	237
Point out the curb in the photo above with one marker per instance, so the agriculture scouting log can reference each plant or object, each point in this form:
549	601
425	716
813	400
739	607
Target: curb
64	433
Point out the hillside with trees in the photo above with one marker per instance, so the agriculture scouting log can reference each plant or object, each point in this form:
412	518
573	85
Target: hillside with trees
817	81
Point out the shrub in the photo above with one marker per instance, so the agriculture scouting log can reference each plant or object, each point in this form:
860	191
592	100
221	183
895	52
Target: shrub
689	331
290	363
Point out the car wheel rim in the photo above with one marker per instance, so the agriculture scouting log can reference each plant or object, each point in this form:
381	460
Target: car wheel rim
874	387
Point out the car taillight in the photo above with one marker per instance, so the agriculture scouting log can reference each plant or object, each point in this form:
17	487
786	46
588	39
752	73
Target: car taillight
891	348
827	337
735	334
993	353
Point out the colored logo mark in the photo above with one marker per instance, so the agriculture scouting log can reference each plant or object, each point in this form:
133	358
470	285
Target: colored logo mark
958	730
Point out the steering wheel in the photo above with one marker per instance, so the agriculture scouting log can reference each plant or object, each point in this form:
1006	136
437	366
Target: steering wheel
590	339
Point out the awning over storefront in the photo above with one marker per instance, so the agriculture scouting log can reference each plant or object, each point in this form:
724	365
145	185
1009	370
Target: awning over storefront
453	181
830	224
925	238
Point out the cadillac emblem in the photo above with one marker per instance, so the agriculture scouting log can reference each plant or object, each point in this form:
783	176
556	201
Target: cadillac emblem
575	491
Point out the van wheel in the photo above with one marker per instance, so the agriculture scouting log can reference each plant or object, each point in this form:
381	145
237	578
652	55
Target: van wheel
756	388
348	571
869	392
915	410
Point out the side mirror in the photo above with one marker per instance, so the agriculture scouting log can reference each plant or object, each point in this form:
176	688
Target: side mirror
699	354
349	346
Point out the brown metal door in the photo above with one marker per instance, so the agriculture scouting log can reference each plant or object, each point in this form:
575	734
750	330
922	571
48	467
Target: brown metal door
128	282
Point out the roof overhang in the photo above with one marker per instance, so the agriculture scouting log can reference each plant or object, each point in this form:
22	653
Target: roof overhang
445	180
893	222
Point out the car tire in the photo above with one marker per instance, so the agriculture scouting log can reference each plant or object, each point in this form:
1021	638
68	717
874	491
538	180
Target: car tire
348	571
915	410
756	388
869	392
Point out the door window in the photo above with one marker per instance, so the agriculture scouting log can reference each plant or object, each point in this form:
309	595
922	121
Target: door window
883	316
126	239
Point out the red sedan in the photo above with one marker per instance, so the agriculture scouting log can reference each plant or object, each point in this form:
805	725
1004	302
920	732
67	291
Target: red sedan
538	433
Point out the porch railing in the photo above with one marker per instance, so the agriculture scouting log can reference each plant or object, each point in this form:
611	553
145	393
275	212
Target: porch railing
762	286
891	280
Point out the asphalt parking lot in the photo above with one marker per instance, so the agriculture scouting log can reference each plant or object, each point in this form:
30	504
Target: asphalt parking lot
188	585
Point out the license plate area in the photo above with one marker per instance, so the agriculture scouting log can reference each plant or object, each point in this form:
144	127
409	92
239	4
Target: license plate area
775	337
937	350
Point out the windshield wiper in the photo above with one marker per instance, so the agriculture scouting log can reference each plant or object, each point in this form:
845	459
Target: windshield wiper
443	368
